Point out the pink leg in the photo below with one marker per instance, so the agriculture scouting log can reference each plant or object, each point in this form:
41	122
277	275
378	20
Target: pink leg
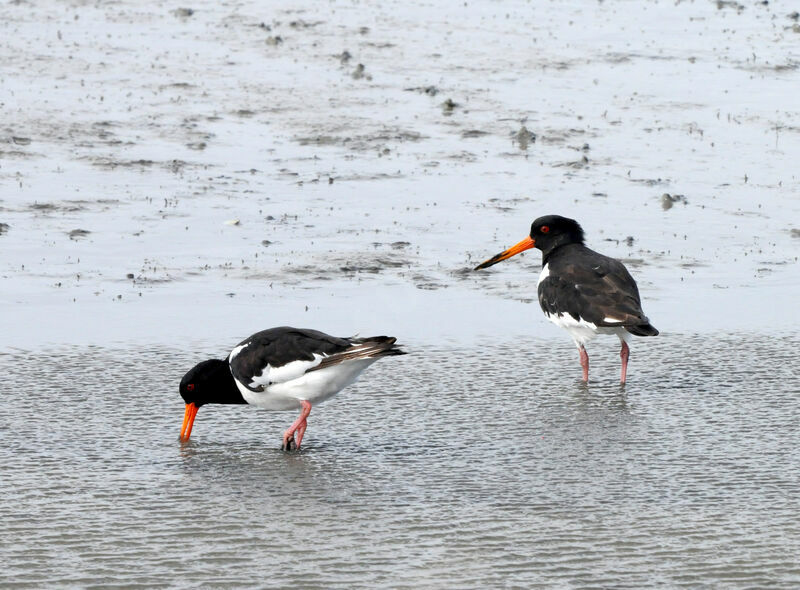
298	425
585	364
624	353
298	435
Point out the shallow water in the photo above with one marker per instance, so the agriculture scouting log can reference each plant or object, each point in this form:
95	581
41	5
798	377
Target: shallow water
444	468
174	180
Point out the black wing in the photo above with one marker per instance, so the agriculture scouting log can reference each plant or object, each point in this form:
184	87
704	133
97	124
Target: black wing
593	287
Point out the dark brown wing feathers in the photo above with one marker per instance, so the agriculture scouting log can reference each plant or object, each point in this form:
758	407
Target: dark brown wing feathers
363	348
594	288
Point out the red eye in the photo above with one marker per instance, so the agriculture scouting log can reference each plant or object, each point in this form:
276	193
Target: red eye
544	229
190	387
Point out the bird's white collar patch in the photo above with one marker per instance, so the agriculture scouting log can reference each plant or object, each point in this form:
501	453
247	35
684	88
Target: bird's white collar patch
544	274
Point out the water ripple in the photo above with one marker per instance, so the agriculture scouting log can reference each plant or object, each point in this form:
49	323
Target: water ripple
430	471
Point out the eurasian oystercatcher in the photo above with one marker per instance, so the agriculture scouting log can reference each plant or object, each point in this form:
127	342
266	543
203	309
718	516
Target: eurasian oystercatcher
282	369
580	290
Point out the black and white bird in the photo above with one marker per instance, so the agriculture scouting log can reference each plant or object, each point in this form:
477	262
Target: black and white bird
581	290
282	369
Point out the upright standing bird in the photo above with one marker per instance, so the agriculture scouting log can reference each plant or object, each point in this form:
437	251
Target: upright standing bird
580	290
282	369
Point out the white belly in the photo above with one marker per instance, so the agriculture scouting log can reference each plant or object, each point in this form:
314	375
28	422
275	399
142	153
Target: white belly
314	387
583	331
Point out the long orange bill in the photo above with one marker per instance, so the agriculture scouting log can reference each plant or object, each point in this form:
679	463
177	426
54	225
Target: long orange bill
188	421
525	244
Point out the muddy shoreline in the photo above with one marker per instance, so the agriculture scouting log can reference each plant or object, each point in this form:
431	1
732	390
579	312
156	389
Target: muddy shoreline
227	154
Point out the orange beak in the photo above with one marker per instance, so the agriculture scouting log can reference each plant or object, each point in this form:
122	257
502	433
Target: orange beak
525	244
188	421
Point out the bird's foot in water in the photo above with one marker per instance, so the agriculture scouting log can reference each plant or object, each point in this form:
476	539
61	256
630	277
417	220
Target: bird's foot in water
293	437
289	444
289	441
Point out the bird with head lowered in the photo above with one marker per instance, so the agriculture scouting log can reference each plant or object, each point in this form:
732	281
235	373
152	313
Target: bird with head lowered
281	369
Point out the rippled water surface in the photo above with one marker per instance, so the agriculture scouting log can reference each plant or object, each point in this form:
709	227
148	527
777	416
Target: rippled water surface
174	178
450	467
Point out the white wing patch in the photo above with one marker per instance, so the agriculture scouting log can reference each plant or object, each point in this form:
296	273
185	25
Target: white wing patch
284	373
237	350
610	319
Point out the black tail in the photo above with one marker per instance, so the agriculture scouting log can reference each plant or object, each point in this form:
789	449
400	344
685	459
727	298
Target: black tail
380	345
642	330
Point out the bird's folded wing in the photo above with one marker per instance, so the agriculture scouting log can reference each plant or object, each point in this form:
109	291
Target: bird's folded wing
614	296
361	350
281	354
604	294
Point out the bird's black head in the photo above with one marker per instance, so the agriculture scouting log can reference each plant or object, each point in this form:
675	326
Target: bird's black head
551	231
547	234
209	382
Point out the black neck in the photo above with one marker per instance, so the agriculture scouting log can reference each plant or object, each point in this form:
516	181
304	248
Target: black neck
556	247
221	388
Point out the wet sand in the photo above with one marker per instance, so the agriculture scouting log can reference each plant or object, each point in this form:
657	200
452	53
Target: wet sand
176	178
135	138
